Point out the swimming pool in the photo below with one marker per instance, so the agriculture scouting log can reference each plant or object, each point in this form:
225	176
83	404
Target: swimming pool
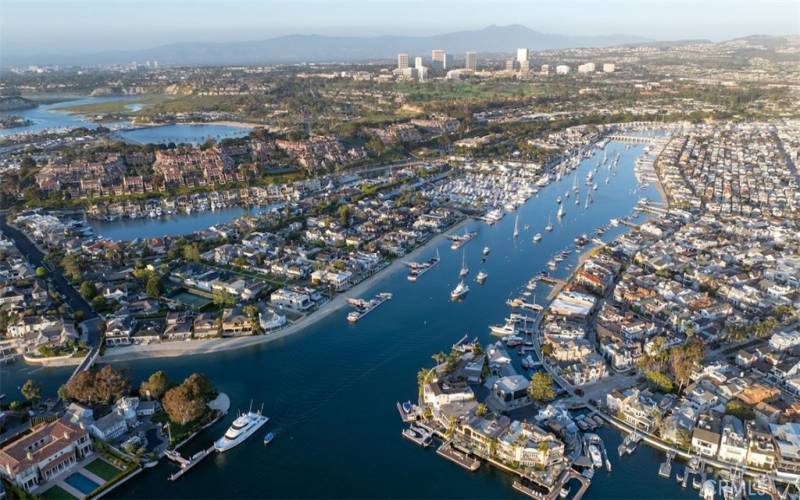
81	483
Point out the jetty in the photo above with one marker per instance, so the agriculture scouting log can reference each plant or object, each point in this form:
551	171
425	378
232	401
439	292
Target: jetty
186	463
458	457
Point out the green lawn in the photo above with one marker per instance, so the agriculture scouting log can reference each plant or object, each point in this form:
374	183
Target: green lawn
103	469
57	493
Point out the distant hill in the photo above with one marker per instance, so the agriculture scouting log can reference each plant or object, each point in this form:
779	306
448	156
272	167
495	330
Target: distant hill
318	48
15	103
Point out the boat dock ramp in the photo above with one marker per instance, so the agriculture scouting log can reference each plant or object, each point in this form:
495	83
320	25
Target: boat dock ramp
186	464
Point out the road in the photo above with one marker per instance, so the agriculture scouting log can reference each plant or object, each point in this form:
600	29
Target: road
70	295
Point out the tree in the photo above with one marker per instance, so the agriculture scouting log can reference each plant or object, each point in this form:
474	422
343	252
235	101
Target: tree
71	267
110	385
541	387
32	391
201	387
481	410
222	298
153	287
155	386
659	380
182	406
88	290
41	272
191	253
738	409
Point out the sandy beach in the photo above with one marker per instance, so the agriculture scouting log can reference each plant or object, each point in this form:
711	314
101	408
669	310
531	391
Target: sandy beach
196	347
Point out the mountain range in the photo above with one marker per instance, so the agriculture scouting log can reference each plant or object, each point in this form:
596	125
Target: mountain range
319	48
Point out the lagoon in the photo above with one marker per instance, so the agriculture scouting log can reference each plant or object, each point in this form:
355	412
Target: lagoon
194	133
330	390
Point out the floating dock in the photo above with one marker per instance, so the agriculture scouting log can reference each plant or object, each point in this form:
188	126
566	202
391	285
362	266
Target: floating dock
458	457
665	469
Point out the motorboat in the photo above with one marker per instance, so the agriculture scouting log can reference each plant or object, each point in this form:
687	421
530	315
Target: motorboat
481	277
459	291
537	237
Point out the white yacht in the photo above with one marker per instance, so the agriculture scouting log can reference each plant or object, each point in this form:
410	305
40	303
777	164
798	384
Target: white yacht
537	237
560	212
549	226
597	458
459	291
241	428
481	277
516	226
486	250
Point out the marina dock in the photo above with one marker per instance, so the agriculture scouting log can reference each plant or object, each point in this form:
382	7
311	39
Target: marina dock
364	307
458	457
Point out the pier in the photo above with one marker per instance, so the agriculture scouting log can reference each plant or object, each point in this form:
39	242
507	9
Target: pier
458	457
186	464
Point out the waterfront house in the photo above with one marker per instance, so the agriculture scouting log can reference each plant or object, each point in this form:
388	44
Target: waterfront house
733	443
178	326
206	325
119	330
785	339
291	299
529	446
705	442
481	433
636	408
761	450
787	441
45	452
270	320
236	323
148	331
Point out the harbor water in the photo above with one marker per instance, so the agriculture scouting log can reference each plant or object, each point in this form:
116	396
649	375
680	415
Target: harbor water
330	390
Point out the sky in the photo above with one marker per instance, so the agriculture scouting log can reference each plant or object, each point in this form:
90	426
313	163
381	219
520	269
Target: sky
29	27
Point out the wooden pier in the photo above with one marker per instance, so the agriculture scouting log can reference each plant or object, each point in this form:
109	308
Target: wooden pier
458	457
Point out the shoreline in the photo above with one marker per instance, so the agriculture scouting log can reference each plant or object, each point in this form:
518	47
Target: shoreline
210	346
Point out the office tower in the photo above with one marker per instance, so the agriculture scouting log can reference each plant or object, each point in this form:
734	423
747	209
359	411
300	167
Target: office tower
471	61
524	66
562	69
609	67
418	62
439	58
509	65
522	55
545	69
586	68
402	61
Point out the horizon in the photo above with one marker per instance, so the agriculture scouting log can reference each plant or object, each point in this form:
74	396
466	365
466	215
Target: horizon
67	30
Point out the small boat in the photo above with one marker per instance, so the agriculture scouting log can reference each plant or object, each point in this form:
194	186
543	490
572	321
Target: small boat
549	226
459	291
268	438
516	227
486	250
481	277
537	237
564	493
697	482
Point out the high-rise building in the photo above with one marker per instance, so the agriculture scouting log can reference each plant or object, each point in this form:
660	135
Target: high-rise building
586	68
402	61
545	69
609	67
522	55
562	69
524	66
418	62
439	58
509	65
471	61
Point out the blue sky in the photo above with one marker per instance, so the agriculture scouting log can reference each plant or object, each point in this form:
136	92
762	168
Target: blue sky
79	26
